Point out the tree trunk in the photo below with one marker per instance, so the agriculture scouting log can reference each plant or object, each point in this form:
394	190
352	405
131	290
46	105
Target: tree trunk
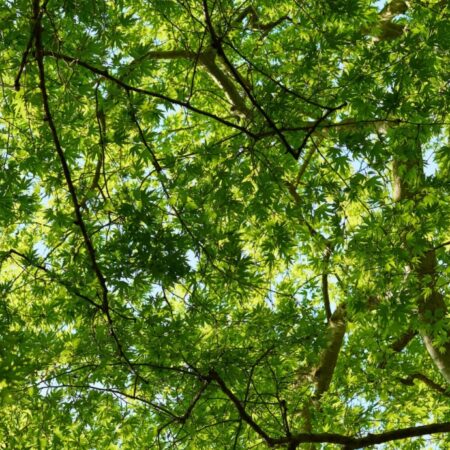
408	182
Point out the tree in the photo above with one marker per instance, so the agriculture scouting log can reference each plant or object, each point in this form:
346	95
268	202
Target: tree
224	224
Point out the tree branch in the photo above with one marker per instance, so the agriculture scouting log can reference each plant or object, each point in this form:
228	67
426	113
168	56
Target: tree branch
274	80
337	322
389	29
55	278
378	123
134	119
348	442
207	59
101	123
432	307
298	201
403	340
325	293
155	406
399	344
409	381
217	44
213	375
326	296
105	74
65	168
254	21
304	166
182	419
314	127
194	401
368	440
323	373
68	178
36	23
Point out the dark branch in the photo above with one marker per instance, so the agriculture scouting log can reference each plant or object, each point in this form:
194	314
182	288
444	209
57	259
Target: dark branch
65	168
23	63
68	178
194	401
213	375
105	74
325	292
348	441
399	344
113	391
36	23
134	119
274	80
366	441
314	127
217	44
55	277
409	381
254	21
326	296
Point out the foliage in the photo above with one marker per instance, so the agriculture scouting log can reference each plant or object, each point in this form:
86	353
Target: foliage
224	224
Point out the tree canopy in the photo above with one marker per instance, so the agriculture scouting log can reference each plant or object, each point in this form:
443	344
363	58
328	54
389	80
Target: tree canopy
225	224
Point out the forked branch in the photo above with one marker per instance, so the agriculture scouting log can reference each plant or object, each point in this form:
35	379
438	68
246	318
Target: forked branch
207	59
129	88
348	442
